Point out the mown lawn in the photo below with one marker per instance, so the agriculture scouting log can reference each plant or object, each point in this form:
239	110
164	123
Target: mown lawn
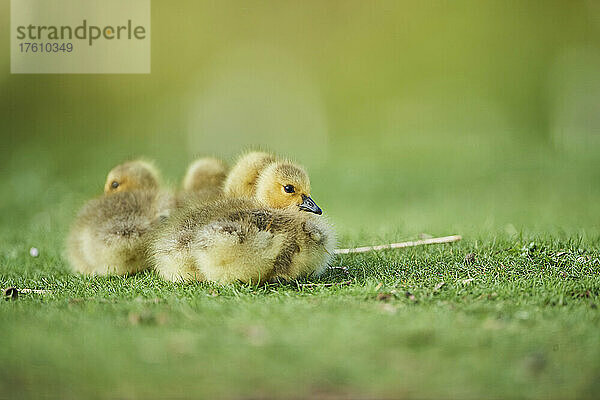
511	311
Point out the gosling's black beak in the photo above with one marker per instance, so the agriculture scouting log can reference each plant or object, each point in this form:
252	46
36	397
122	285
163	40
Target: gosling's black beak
309	205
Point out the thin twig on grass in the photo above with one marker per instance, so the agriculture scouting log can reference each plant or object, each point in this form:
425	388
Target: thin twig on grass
36	291
412	243
14	292
324	284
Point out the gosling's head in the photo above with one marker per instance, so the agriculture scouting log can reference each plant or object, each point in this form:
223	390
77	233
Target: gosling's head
131	175
282	185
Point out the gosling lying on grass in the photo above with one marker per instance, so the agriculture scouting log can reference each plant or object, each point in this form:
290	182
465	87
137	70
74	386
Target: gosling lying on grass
261	235
109	235
232	240
273	183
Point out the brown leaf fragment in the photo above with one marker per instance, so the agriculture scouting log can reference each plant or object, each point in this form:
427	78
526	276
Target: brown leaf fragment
384	297
470	258
11	293
147	318
410	296
438	286
535	363
134	318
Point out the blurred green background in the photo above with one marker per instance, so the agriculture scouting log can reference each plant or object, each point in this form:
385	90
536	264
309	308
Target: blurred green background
479	118
439	117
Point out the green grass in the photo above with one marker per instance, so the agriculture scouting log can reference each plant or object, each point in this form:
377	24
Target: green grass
519	319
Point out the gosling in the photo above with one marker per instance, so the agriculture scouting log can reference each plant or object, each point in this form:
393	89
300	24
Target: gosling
110	233
232	240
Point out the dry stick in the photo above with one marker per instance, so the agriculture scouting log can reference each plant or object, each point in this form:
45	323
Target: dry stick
324	284
412	243
37	291
9	291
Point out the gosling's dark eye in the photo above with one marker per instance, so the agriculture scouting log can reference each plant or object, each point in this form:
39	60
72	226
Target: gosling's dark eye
114	185
288	188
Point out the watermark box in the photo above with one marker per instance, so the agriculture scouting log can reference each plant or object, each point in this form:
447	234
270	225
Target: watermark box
80	36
